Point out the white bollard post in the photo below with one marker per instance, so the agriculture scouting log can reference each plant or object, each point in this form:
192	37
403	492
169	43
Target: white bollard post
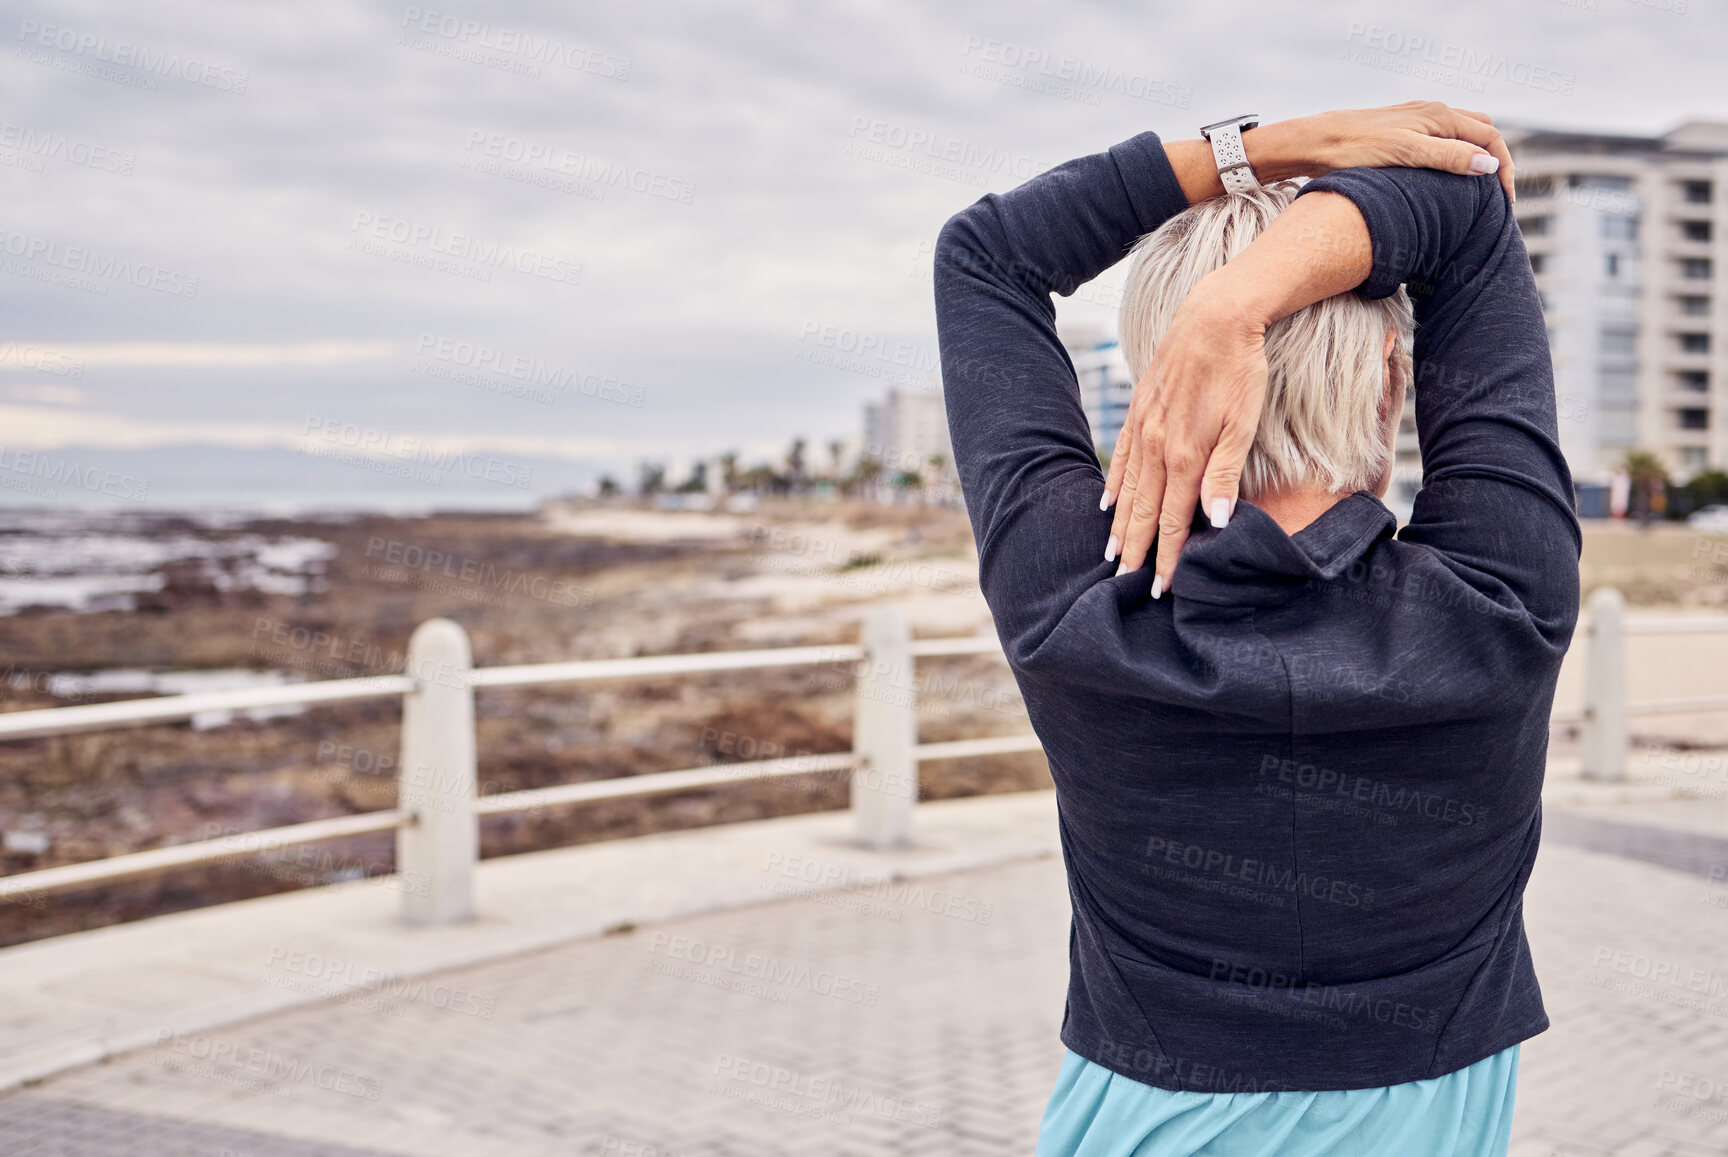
885	732
1605	739
435	854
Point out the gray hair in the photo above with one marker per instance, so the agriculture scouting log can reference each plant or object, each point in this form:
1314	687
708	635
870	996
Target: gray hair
1322	422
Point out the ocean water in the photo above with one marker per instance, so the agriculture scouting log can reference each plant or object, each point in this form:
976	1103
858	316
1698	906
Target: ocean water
104	560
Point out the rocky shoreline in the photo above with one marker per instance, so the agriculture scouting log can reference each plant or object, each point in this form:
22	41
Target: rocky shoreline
571	582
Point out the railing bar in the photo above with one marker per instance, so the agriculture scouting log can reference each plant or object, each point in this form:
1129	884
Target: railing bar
158	860
970	645
633	785
1675	626
663	781
1678	706
591	669
168	708
967	748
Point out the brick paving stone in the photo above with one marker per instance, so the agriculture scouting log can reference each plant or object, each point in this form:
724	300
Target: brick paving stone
798	1027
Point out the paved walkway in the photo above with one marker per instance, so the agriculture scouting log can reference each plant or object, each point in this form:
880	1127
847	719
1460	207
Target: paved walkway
917	1018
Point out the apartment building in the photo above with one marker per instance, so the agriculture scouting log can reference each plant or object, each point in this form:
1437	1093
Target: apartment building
1105	385
907	432
1625	238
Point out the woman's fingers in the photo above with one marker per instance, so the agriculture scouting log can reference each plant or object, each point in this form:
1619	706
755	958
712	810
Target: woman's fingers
1479	130
1175	515
1459	141
1131	482
1118	464
1222	482
1451	155
1144	508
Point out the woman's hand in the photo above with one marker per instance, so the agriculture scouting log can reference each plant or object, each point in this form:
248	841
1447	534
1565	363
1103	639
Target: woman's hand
1418	134
1194	414
1190	437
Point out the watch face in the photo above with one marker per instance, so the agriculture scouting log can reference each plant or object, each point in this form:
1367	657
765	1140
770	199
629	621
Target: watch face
1245	121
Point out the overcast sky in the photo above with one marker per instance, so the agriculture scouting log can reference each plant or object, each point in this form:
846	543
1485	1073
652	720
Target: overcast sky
225	223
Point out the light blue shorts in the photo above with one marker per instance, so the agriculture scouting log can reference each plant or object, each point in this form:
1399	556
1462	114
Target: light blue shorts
1094	1112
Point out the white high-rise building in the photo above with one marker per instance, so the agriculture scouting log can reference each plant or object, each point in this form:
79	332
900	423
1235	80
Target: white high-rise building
1625	237
1105	385
907	432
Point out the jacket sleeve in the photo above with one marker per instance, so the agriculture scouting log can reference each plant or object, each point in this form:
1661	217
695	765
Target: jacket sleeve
1022	447
1496	501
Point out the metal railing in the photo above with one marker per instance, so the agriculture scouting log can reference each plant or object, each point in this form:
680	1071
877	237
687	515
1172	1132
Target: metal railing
438	809
436	819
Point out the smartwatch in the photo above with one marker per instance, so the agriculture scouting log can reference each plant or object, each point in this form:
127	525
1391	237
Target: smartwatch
1226	138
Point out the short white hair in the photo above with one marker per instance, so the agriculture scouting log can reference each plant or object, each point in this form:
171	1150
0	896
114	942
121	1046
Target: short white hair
1323	421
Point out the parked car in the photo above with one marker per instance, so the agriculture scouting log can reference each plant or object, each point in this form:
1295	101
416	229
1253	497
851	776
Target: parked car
1713	518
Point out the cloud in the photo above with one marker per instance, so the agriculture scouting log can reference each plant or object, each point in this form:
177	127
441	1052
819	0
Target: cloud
206	355
44	428
688	169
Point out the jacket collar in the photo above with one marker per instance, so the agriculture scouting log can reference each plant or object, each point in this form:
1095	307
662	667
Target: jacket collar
1252	562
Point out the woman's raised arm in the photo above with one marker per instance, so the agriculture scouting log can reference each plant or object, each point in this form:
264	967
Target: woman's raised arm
1022	445
1178	448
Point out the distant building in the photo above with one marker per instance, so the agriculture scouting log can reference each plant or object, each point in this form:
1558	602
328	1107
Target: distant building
907	432
1625	237
1105	385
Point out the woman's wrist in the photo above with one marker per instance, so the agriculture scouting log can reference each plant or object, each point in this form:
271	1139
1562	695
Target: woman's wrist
1316	248
1230	304
1277	152
1285	149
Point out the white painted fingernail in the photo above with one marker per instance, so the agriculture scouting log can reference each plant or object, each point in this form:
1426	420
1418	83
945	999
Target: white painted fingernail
1220	512
1157	585
1121	569
1111	547
1106	499
1483	163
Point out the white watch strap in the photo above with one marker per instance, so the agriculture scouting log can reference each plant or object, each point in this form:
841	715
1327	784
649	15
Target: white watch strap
1233	167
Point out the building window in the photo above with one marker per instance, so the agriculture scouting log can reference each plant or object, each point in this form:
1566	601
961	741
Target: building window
1617	341
1535	186
1619	227
1695	306
1694	343
1696	381
1695	230
1537	261
1695	268
1612	265
1534	226
1694	419
1618	388
1693	458
1696	192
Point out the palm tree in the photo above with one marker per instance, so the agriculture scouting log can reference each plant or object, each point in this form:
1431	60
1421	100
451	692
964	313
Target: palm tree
1649	480
865	474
